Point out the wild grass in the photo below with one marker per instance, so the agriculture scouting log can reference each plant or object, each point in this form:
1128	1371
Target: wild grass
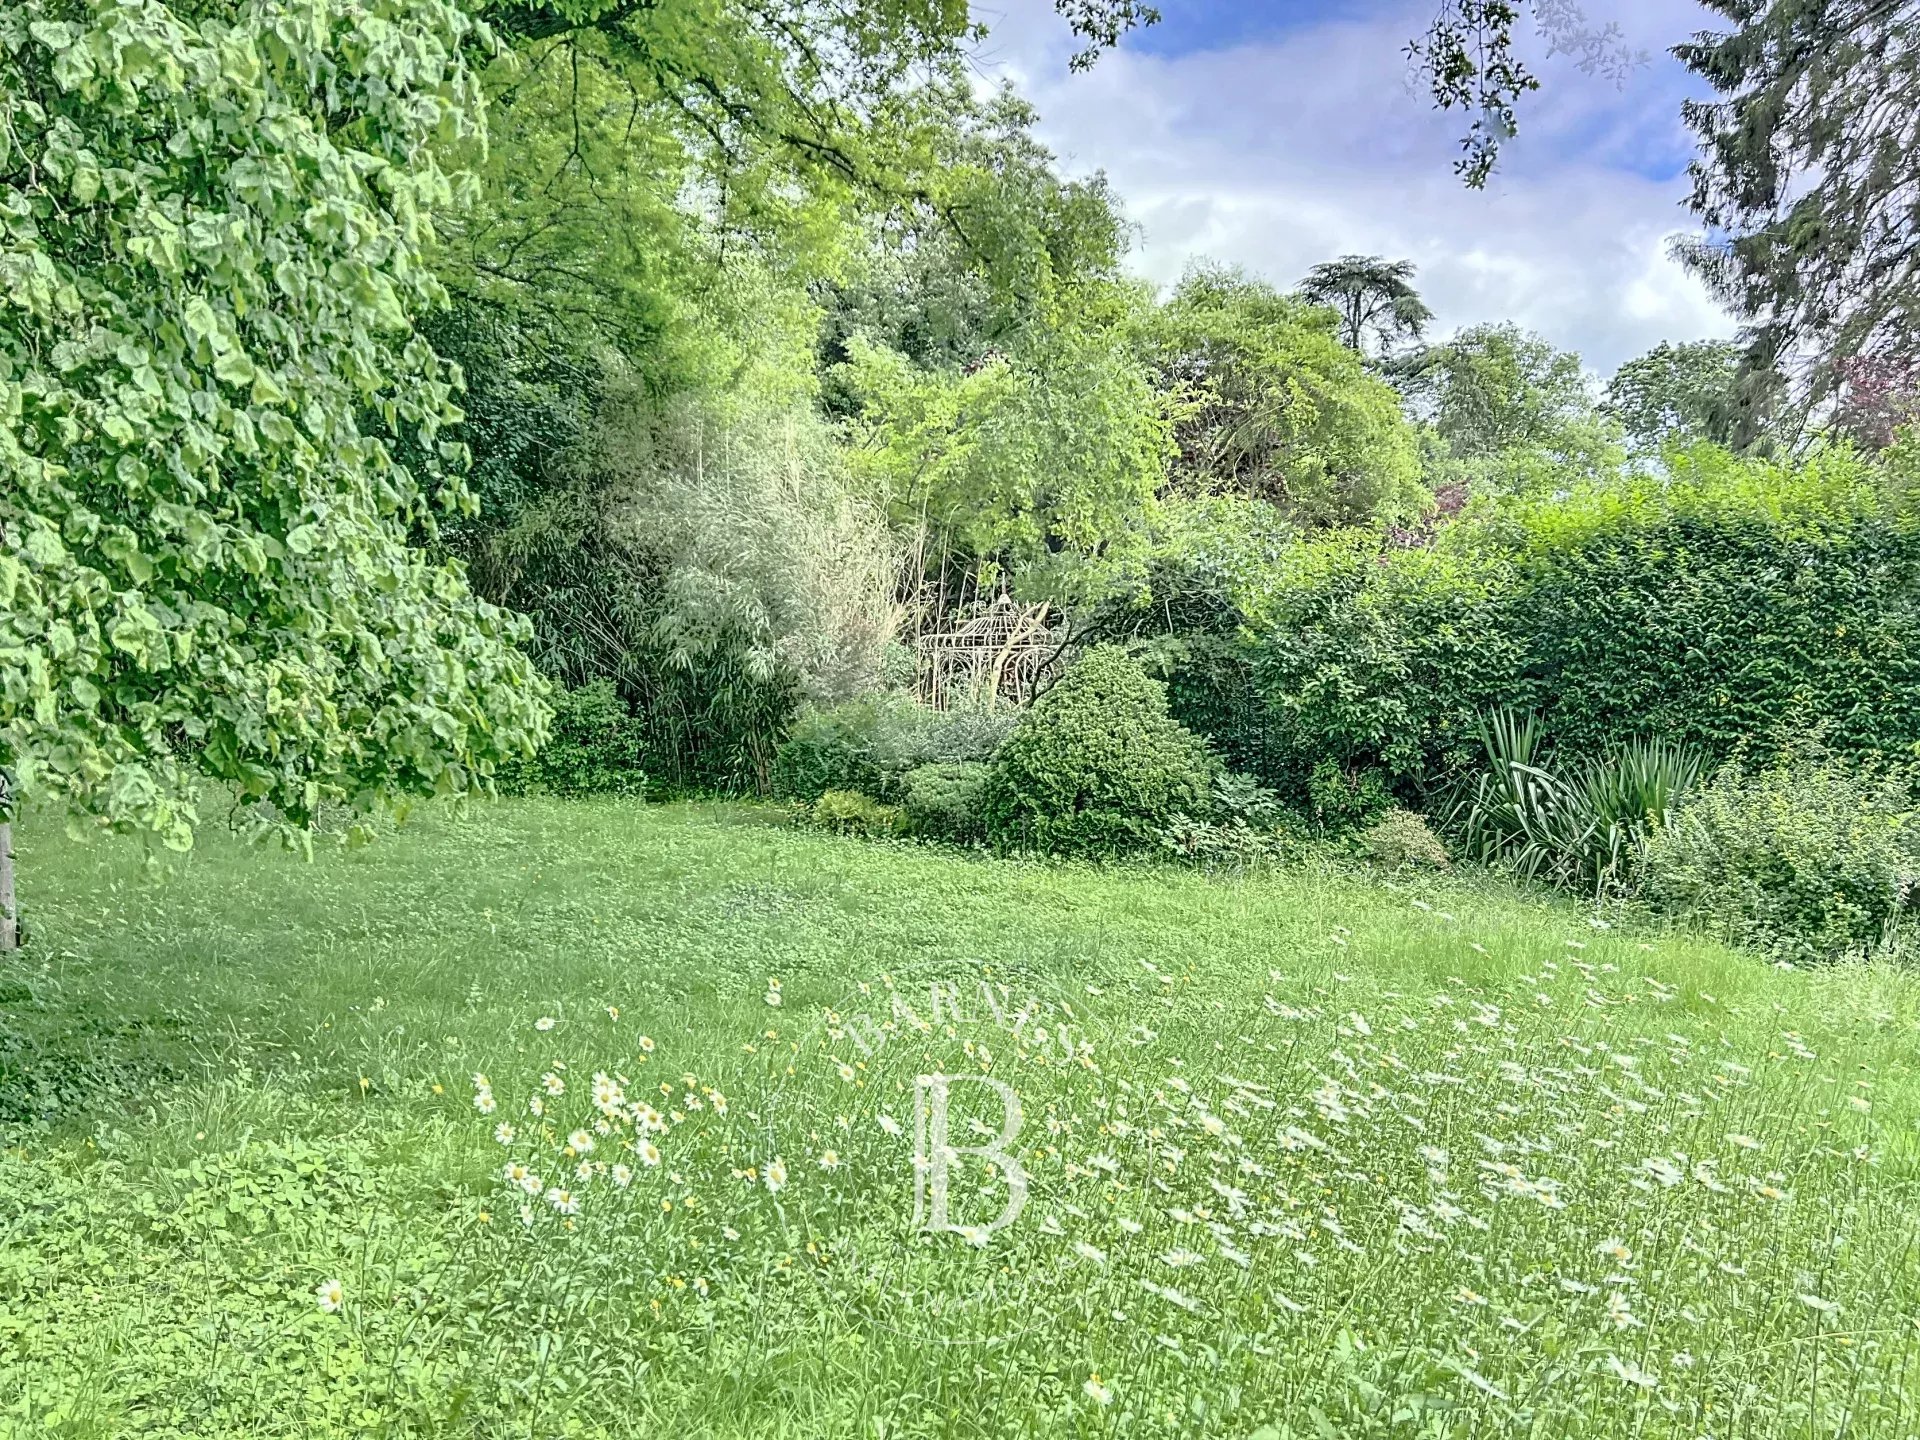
1308	1153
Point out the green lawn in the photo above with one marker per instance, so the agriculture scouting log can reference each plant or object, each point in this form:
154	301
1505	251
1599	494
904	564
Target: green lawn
1305	1154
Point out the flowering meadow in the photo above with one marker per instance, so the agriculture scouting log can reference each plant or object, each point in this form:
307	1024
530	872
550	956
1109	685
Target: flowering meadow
584	1119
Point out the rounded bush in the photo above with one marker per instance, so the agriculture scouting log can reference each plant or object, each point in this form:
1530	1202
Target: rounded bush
1801	861
1097	767
851	813
944	801
1401	839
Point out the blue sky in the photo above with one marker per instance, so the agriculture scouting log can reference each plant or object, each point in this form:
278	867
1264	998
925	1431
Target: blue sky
1190	25
1277	133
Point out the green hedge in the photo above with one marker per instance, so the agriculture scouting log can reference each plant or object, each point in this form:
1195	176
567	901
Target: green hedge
1709	607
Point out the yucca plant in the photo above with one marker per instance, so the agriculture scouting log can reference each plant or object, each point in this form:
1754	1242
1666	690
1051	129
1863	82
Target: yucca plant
1586	828
1506	813
1626	798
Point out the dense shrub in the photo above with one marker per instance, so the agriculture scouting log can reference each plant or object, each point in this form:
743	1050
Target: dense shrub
945	801
1097	767
873	743
1245	824
831	748
1707	606
1401	839
1241	798
1339	801
1220	844
1799	859
852	813
596	747
1718	606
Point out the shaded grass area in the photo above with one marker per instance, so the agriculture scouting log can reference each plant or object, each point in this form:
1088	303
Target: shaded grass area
226	1082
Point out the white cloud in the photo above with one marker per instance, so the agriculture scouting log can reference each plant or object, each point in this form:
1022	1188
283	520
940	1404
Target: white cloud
1281	153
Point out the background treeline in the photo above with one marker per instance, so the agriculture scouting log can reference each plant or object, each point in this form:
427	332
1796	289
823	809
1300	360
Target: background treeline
751	418
708	358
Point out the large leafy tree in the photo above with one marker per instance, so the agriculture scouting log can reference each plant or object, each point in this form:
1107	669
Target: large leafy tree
1507	410
978	261
640	155
1678	393
212	226
1042	462
1374	298
1271	405
811	82
1808	179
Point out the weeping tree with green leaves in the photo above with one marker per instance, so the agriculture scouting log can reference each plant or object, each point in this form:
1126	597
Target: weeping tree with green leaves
212	225
975	264
1505	412
1270	405
1677	394
1039	465
1470	62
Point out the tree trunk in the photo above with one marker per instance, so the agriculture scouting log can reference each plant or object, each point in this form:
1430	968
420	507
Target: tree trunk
9	911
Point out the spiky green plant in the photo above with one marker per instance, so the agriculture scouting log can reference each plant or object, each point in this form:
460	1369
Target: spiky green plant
1585	827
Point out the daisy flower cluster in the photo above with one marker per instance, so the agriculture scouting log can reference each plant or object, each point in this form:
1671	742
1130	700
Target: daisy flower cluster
597	1136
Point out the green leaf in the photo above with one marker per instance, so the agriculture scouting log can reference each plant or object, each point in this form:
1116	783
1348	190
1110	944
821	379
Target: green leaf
54	34
233	367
